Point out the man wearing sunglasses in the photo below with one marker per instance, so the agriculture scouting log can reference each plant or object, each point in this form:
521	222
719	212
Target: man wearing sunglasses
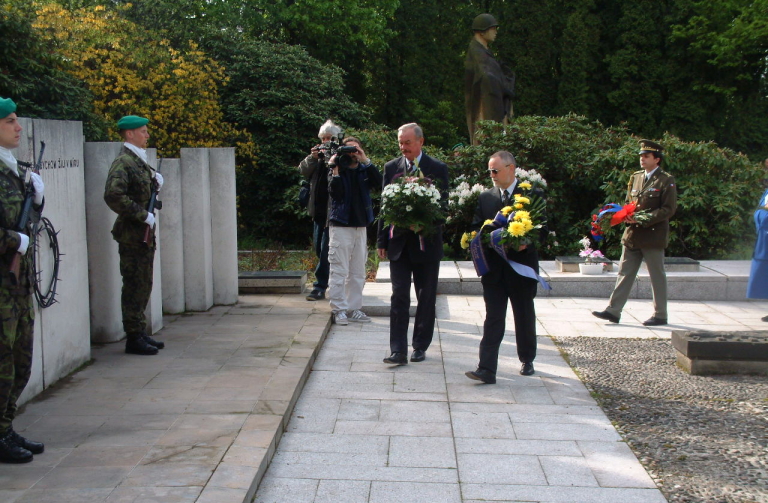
502	283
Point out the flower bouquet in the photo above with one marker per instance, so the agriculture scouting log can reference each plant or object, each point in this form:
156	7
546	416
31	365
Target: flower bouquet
512	225
613	214
511	228
411	202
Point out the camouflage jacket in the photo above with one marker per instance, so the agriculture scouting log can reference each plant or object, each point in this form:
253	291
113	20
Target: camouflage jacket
11	201
127	192
658	196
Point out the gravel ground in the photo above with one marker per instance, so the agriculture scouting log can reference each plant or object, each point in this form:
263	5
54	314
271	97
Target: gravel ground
703	439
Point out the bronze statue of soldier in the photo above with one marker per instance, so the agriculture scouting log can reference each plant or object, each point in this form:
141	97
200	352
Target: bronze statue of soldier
488	89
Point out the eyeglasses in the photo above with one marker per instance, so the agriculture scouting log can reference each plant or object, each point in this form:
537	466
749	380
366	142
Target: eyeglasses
496	171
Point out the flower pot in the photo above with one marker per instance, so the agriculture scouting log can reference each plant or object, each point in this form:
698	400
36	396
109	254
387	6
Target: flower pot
591	268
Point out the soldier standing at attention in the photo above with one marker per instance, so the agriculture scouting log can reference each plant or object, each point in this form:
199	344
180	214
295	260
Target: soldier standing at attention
653	190
129	186
17	314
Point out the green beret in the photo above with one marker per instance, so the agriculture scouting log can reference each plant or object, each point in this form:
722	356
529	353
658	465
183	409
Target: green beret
132	122
7	107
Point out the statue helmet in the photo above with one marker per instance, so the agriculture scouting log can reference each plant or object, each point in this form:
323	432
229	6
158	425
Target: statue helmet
484	22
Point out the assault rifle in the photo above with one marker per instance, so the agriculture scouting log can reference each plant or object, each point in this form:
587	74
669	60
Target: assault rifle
26	209
153	205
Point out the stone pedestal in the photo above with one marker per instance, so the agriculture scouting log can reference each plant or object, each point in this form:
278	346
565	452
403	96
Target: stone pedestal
272	281
196	222
705	353
571	263
172	237
224	228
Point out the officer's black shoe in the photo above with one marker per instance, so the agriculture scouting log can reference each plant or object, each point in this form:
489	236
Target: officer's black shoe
136	345
605	315
654	321
152	342
30	445
10	452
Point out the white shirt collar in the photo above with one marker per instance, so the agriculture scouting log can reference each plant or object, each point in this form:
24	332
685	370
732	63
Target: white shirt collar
8	158
508	189
142	153
648	175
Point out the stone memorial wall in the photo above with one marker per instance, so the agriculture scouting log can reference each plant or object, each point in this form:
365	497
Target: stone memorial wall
62	341
196	259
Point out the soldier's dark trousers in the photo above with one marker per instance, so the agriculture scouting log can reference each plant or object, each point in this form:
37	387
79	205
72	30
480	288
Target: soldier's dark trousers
17	318
136	270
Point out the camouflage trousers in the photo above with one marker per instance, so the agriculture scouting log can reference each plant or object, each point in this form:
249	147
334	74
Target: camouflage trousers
17	318
136	269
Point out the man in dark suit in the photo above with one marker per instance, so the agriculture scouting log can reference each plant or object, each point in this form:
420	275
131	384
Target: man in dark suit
502	282
412	255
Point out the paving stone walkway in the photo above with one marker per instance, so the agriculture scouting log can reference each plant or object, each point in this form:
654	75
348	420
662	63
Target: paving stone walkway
201	421
363	431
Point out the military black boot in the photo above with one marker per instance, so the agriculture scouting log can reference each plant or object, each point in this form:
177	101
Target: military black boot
30	445
10	452
136	345
152	342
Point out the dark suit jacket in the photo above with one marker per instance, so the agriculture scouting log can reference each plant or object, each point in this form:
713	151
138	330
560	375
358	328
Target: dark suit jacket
405	238
489	204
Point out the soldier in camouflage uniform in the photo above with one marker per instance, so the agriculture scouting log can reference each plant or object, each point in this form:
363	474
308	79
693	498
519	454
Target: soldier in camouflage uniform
128	190
17	315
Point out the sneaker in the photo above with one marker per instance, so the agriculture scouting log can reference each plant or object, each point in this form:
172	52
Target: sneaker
340	318
316	295
359	316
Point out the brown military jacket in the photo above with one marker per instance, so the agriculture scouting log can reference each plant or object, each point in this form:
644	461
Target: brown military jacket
657	195
11	202
127	193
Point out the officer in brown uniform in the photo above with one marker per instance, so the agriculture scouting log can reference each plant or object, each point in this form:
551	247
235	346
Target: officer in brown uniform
653	190
17	314
129	186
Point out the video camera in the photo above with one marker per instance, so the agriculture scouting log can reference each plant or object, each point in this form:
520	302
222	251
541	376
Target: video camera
342	152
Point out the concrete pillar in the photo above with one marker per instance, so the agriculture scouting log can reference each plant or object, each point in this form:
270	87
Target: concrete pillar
172	237
61	331
103	260
154	311
224	225
196	220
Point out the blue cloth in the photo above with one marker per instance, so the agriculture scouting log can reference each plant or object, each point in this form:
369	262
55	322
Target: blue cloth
757	288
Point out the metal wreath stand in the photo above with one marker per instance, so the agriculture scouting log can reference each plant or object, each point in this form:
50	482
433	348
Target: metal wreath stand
46	293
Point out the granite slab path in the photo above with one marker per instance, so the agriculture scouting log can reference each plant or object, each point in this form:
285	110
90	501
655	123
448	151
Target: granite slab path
271	381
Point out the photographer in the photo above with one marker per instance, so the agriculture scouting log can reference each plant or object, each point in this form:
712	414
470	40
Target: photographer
314	169
353	176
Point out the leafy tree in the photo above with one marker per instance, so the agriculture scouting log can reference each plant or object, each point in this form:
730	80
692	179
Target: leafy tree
281	95
36	77
129	72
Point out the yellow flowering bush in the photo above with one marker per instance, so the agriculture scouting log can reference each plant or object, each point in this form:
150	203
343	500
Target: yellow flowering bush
131	73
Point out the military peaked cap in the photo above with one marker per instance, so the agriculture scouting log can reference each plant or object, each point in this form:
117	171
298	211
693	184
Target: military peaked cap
648	147
132	122
7	107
